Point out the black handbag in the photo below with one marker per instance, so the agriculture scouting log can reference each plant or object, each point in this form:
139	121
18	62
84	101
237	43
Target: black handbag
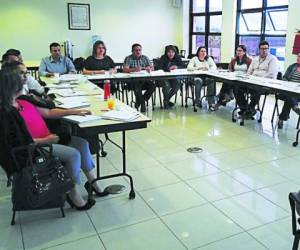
42	180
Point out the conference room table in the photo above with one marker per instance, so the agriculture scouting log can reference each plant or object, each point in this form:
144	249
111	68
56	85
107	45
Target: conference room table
260	84
93	128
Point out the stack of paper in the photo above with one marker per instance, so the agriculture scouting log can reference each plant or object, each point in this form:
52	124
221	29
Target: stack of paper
70	92
70	77
81	119
121	115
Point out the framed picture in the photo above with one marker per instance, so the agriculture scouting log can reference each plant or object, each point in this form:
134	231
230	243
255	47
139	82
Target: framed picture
79	16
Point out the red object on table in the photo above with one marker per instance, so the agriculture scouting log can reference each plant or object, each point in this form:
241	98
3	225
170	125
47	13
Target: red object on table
106	89
296	47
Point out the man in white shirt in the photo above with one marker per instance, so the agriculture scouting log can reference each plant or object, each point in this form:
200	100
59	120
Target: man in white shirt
264	65
13	55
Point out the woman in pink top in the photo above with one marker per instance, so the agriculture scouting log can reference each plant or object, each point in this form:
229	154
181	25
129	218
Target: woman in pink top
76	156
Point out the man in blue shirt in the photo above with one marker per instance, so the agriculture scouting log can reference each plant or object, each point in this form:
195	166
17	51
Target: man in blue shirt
56	63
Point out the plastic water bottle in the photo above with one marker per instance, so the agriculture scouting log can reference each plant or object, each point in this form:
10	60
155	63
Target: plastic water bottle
106	89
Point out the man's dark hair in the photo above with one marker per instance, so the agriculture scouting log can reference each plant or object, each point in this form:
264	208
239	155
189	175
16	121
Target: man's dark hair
54	45
10	84
13	52
135	45
263	43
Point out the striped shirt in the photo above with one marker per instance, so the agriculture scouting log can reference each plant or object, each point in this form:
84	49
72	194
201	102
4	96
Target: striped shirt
133	62
295	76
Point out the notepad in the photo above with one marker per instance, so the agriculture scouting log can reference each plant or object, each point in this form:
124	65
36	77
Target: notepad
122	115
81	119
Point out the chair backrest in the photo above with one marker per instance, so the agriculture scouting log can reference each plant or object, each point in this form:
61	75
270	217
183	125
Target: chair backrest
34	71
279	76
155	63
79	64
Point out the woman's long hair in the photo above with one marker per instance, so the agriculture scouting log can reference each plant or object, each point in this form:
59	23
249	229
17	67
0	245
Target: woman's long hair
198	50
95	46
245	57
10	85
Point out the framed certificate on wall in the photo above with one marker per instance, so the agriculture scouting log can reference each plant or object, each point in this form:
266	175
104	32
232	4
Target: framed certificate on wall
79	16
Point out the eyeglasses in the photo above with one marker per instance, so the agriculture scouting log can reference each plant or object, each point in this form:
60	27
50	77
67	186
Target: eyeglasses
239	50
264	48
24	73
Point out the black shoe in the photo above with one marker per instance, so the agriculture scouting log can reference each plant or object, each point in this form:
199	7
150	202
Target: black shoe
171	104
89	204
87	186
280	124
143	107
136	105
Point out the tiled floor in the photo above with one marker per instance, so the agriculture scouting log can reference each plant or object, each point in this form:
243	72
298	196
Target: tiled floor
233	195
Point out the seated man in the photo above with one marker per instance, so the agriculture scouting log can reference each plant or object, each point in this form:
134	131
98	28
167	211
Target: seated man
170	61
264	65
135	63
13	57
292	74
56	63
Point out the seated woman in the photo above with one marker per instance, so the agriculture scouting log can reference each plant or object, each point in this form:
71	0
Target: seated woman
170	61
22	123
203	62
240	64
292	74
98	62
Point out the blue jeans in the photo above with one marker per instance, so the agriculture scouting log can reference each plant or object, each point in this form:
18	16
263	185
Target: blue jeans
75	156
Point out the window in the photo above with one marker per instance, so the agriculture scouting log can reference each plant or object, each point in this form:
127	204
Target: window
206	26
259	20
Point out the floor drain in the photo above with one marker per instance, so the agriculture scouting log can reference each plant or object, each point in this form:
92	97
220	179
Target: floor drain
194	150
115	189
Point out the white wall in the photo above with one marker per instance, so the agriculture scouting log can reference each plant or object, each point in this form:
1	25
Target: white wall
228	30
32	25
293	24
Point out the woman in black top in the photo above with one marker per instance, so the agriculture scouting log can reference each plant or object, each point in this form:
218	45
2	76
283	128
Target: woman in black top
99	62
170	61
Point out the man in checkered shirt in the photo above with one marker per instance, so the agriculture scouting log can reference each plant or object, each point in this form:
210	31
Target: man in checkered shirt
135	63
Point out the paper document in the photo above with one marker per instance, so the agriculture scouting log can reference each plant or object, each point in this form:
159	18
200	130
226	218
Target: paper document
70	77
81	119
120	115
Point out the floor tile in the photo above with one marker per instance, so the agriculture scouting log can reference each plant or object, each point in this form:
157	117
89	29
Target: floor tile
256	176
250	210
53	229
118	212
287	167
91	243
217	186
199	226
152	178
172	198
278	194
149	235
241	241
230	160
263	153
10	237
191	168
276	235
170	154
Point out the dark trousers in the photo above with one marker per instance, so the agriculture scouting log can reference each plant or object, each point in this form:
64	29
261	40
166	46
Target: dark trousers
289	102
138	87
170	88
226	89
241	98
